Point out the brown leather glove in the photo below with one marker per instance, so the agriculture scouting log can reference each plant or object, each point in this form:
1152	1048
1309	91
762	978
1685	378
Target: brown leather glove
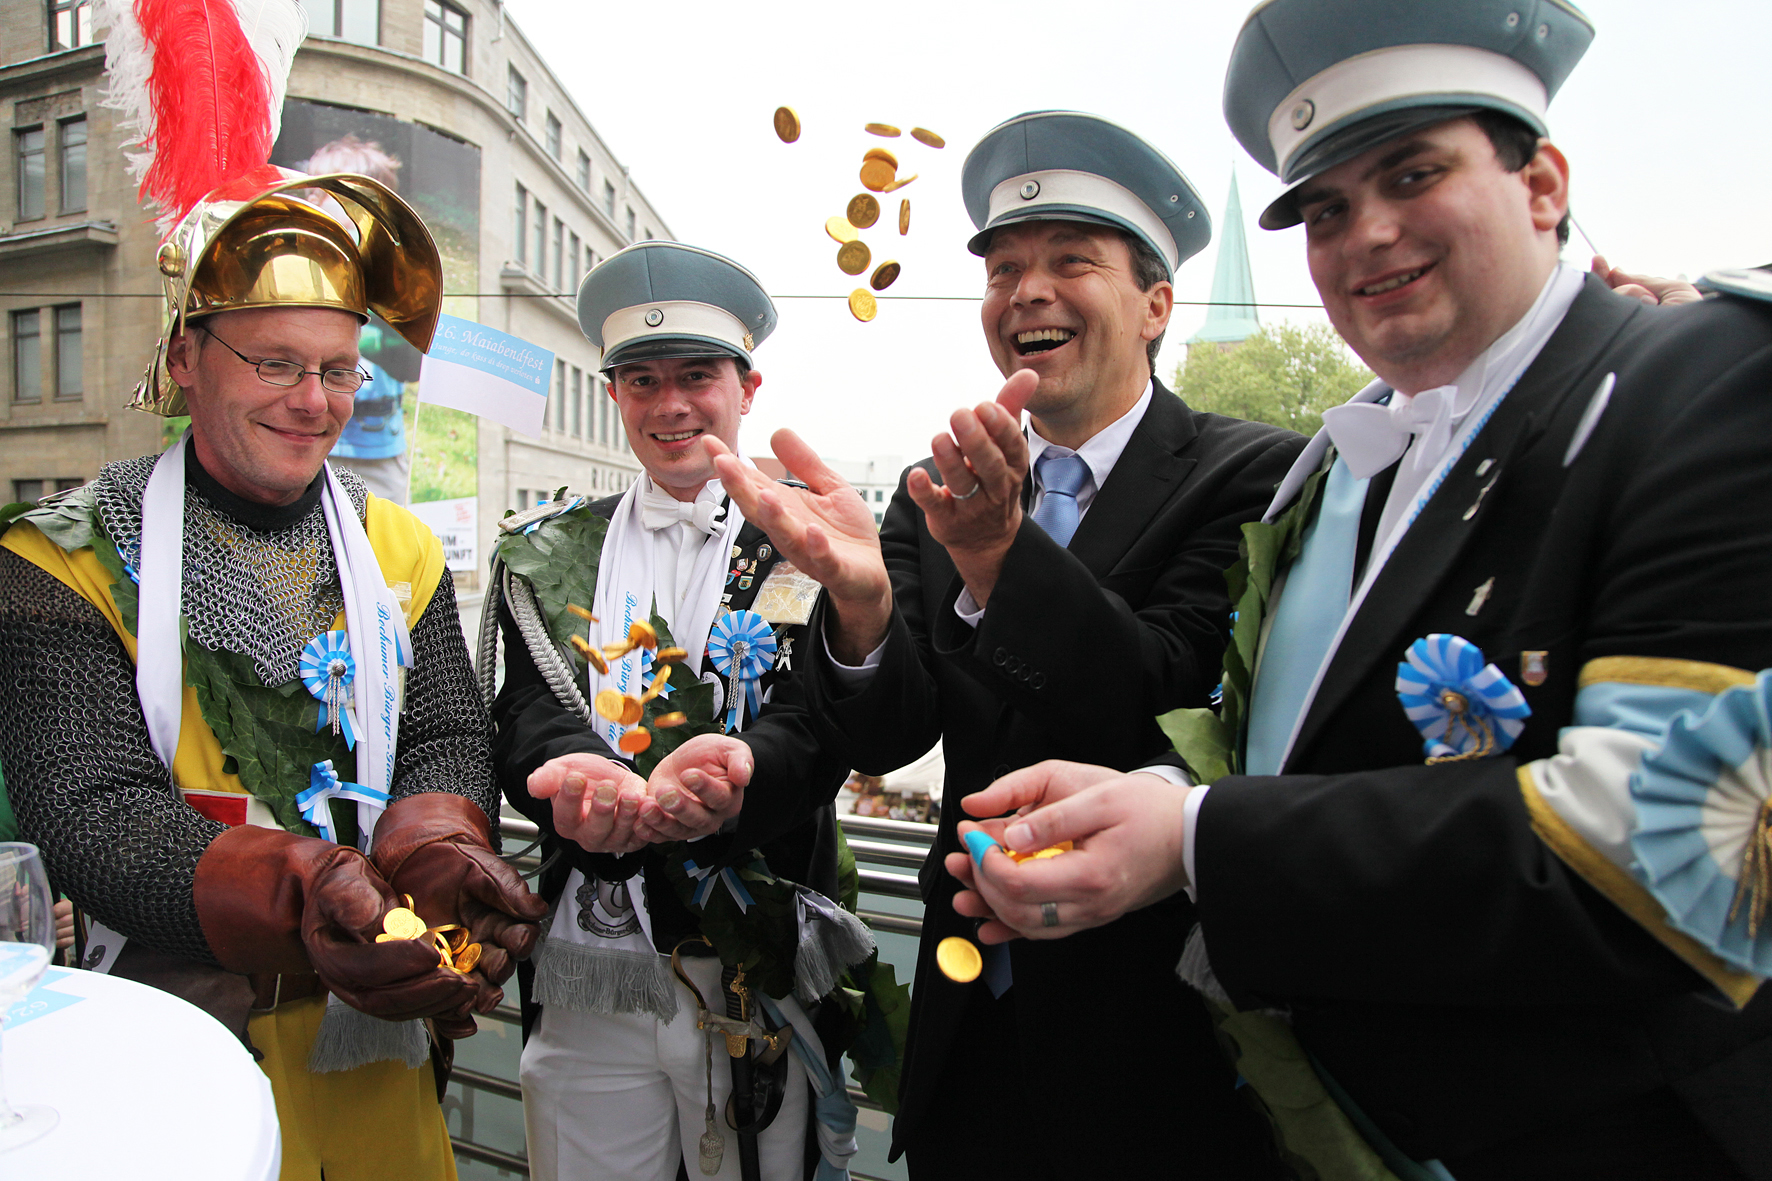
271	901
437	847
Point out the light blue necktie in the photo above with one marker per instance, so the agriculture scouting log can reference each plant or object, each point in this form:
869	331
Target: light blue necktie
1062	476
1312	604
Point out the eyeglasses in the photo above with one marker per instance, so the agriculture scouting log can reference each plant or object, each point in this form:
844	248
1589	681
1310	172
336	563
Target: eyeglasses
288	373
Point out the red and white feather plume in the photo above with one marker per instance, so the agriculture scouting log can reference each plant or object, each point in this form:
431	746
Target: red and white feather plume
200	85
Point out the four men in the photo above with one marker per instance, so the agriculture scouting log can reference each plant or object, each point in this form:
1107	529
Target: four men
1463	867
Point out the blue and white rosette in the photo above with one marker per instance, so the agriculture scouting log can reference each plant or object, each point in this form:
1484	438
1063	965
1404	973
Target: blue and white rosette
327	670
741	646
324	785
705	877
1703	840
1465	707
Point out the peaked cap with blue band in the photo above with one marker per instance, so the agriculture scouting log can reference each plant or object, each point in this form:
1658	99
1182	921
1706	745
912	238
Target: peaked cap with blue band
656	300
1068	166
1314	83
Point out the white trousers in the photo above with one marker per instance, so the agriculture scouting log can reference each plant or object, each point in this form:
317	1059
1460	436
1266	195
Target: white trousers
623	1098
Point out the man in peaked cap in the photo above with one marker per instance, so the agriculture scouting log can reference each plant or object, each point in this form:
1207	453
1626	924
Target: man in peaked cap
1481	850
252	735
1015	580
656	938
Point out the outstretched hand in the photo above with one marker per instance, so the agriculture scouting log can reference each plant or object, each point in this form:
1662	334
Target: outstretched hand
1127	836
695	789
1650	289
825	529
596	801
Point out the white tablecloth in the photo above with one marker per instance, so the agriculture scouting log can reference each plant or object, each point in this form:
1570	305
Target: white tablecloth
147	1085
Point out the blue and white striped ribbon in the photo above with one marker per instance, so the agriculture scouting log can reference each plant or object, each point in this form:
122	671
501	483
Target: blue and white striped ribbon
705	879
741	645
1440	665
324	785
328	670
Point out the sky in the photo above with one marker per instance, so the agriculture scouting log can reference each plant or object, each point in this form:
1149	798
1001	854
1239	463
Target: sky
1664	123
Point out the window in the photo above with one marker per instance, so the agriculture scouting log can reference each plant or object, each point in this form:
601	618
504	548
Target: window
516	93
68	384
590	260
559	255
630	224
27	356
603	420
584	171
578	403
522	499
572	272
559	385
73	150
609	198
70	23
521	235
30	172
649	233
541	240
348	20
553	136
446	36
879	495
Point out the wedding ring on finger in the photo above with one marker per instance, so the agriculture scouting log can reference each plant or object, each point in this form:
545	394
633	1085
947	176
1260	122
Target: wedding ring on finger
976	489
1049	914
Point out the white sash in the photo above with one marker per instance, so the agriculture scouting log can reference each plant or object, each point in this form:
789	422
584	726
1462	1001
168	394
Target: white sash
370	611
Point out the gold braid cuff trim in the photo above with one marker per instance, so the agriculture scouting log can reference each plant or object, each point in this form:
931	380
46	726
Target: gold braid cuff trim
1663	671
1629	895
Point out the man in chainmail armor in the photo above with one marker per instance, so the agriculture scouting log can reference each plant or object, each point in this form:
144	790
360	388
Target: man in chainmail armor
241	831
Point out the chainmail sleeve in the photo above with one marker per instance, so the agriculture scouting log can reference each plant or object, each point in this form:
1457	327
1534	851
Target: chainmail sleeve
81	773
445	732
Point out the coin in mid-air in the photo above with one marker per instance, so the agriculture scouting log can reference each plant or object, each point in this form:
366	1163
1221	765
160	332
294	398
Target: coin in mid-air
958	959
853	257
925	136
631	710
904	215
882	155
876	175
840	229
634	741
863	211
883	275
899	183
666	721
885	129
608	704
862	304
787	124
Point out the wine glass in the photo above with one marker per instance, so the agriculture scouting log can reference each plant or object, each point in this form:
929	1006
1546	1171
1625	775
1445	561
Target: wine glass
27	939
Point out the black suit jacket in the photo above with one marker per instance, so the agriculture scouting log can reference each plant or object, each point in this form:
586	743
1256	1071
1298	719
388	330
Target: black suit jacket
1460	981
1077	652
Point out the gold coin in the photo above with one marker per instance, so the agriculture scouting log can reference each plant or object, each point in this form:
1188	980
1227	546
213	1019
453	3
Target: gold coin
658	685
635	741
863	212
1057	850
575	609
787	124
884	274
958	959
609	704
384	937
671	656
840	228
925	136
899	184
666	721
853	257
876	175
467	958
904	215
882	155
862	304
640	634
631	710
885	129
402	923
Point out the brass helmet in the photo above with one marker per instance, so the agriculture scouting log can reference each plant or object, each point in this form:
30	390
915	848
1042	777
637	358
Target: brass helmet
333	241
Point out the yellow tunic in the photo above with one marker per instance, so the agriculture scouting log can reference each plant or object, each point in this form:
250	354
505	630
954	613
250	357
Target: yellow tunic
380	1122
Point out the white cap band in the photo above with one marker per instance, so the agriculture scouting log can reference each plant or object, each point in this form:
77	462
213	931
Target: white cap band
1401	71
674	317
1086	190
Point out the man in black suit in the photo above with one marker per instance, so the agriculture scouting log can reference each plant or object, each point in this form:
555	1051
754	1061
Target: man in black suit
1544	532
1021	615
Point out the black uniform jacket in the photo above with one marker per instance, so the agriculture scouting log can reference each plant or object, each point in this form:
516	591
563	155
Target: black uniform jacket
1077	652
1454	976
787	811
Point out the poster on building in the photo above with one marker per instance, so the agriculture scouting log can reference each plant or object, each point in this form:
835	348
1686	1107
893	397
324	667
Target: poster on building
456	523
402	454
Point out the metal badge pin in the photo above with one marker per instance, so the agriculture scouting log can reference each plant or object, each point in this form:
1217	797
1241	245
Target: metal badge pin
1534	667
1030	190
654	318
1480	597
1302	114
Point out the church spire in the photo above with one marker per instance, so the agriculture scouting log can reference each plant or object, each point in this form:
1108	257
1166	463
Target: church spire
1232	316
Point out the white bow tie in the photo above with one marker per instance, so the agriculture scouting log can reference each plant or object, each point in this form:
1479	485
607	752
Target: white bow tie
659	510
1371	437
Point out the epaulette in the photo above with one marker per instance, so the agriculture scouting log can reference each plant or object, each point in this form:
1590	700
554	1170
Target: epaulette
1747	283
527	520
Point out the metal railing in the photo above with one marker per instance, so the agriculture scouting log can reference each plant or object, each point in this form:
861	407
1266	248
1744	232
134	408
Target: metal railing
901	844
